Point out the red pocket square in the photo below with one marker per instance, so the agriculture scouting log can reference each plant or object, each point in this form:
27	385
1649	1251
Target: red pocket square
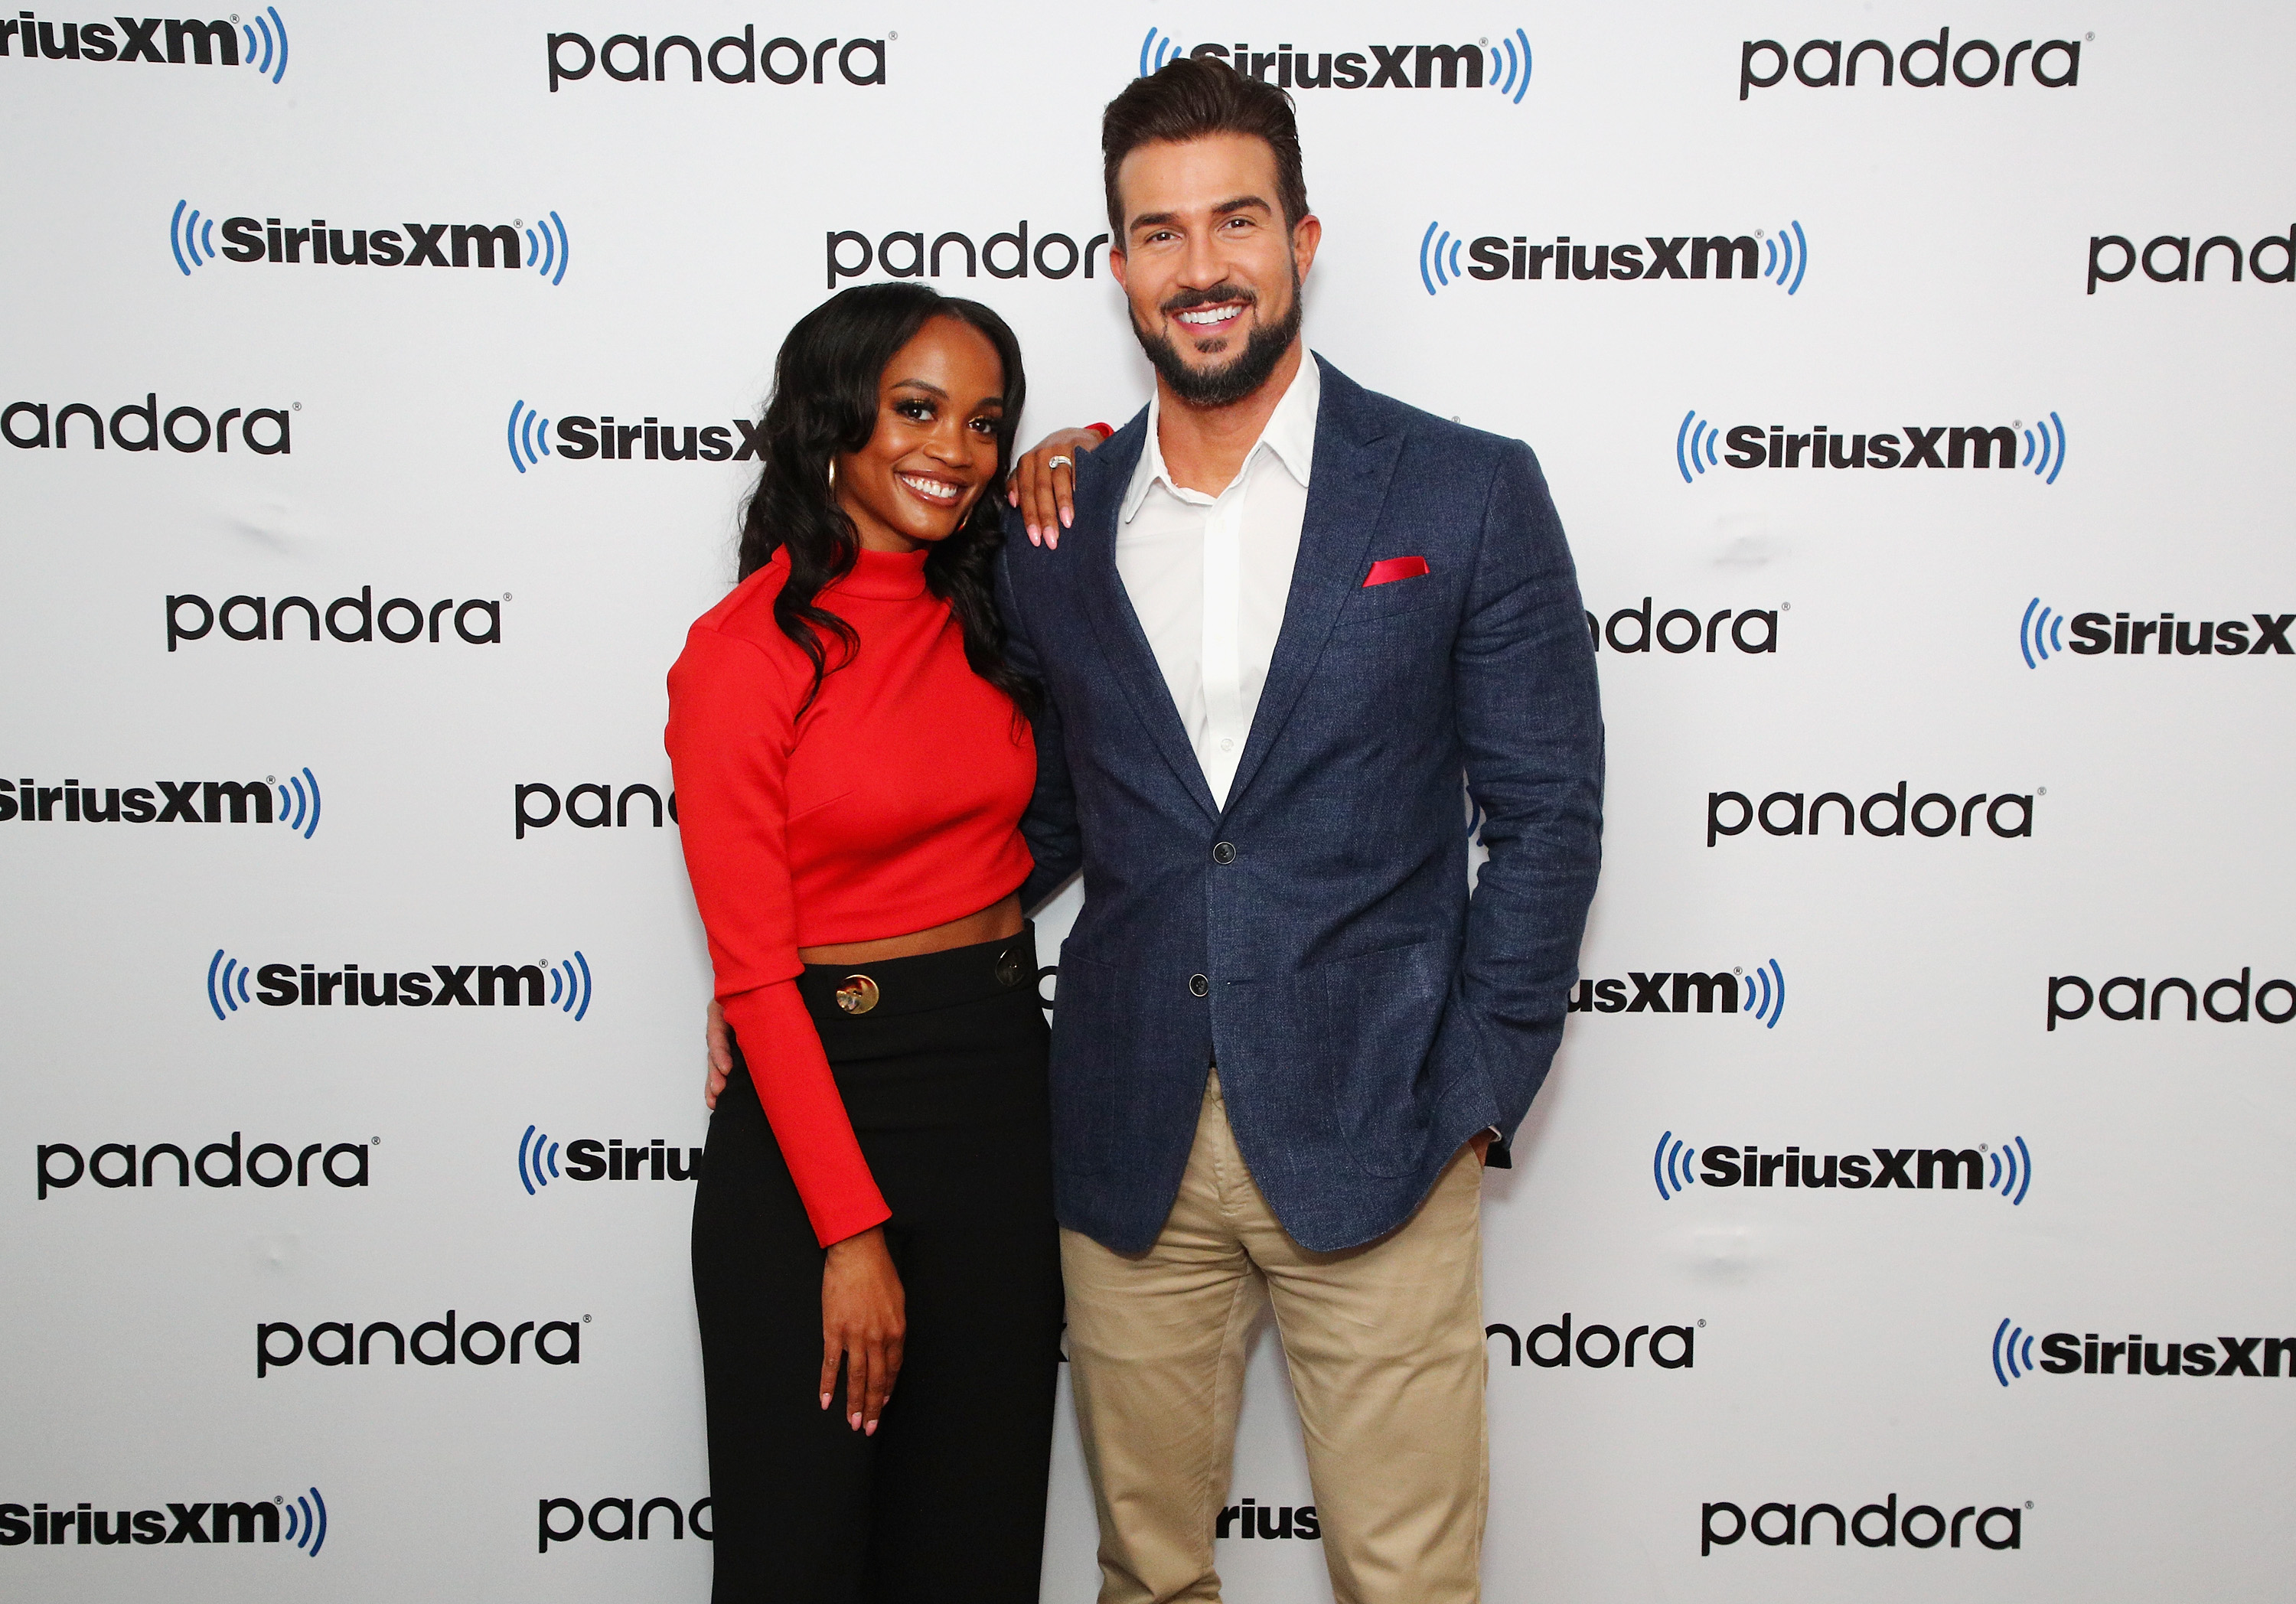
1388	570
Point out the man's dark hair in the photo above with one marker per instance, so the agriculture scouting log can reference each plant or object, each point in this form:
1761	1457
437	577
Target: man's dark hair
1188	99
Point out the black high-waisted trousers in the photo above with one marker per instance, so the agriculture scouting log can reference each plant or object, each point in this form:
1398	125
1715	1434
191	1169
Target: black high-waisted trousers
945	1081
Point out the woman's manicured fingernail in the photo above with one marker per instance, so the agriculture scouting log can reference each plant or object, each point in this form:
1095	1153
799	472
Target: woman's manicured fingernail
1067	516
855	1422
824	1400
871	1430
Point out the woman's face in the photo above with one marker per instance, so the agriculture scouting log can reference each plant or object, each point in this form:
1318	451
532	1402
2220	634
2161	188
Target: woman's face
939	404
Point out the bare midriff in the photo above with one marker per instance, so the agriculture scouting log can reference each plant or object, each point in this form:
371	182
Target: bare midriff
995	922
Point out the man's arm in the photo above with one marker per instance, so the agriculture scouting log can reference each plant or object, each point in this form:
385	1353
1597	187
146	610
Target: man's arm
1050	824
1531	723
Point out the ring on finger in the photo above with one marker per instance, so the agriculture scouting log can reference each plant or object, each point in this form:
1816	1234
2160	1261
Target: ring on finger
1060	462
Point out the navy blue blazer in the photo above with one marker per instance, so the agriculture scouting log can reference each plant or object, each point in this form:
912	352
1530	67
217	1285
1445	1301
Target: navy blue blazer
1315	937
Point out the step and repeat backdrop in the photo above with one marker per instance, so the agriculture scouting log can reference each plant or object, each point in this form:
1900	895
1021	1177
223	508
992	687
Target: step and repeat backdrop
1901	1220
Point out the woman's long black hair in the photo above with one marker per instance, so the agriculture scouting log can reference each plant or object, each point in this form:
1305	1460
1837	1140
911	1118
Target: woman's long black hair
826	401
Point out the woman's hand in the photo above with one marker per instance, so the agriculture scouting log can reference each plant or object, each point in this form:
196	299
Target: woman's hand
864	1321
717	1058
1045	493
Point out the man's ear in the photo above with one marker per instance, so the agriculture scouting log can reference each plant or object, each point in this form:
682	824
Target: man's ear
1306	235
1116	266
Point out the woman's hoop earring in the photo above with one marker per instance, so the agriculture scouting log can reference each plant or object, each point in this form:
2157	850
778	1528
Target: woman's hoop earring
832	473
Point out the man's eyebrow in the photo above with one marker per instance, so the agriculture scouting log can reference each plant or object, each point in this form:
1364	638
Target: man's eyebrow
1225	208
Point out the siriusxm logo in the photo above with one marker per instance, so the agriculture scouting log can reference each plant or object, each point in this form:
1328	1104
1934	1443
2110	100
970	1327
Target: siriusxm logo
1056	255
185	429
1763	993
1678	629
2041	635
2062	1354
610	810
633	1520
1697	447
58	1166
258	1520
1598	1346
280	1343
1676	1166
2002	1527
1820	64
399	620
1780	259
2177	264
2227	1000
1932	813
287	985
589	1159
1252	1519
584	439
190	239
1503	65
160	42
175	802
734	59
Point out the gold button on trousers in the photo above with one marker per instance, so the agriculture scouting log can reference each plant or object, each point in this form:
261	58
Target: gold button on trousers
1385	1346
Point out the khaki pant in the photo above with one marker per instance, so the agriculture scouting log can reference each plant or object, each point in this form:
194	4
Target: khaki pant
1385	1346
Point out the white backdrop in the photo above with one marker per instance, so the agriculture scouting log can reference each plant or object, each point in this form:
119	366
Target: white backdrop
1926	260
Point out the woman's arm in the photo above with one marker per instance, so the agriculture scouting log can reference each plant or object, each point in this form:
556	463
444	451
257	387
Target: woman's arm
729	739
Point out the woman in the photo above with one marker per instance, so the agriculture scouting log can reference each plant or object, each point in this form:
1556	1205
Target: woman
852	756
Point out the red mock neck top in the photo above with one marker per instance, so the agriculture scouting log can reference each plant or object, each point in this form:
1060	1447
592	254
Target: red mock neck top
891	804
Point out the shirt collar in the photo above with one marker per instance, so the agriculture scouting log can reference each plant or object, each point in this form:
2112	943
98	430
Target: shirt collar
1289	434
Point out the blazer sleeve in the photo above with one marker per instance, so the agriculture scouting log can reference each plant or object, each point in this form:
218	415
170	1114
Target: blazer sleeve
1530	722
1050	826
731	732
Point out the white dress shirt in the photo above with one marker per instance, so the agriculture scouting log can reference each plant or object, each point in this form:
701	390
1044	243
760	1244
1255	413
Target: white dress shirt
1207	576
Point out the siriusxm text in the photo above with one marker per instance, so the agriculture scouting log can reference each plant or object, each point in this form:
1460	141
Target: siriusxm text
1716	255
1946	445
162	802
1910	1169
1371	66
2065	1354
461	985
2097	635
216	1520
1252	1519
162	42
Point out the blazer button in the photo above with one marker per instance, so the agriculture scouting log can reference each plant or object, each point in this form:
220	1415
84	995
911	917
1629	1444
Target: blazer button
1199	986
1224	853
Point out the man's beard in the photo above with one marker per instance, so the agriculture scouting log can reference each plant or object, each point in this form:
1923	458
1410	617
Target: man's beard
1240	375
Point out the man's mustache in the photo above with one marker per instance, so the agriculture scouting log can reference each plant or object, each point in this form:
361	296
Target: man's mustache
1189	300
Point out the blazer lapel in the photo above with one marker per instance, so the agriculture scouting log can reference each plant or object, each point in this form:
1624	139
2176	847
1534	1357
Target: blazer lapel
1348	485
1108	611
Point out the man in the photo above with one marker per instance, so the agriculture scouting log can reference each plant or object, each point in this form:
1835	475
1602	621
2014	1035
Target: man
1288	615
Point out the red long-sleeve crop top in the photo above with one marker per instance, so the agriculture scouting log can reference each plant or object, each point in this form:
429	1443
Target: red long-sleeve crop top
891	804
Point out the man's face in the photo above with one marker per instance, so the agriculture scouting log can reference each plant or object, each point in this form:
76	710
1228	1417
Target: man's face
1211	272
